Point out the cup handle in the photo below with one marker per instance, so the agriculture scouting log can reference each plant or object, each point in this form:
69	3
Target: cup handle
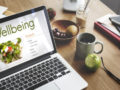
98	42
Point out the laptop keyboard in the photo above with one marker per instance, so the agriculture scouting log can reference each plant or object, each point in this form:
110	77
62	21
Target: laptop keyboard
35	76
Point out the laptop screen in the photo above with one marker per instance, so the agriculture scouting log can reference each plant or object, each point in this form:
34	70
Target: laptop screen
24	38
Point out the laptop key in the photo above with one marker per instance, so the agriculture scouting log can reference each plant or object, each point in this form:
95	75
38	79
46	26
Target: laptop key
38	85
21	84
47	76
25	86
31	71
30	84
38	80
43	70
34	78
39	67
62	69
31	75
51	74
60	66
2	88
55	72
50	79
29	80
47	64
55	77
43	66
55	68
13	83
51	66
11	88
46	72
68	72
26	73
3	83
38	76
59	74
34	82
35	69
8	81
63	73
25	82
13	79
21	88
56	64
43	78
35	73
16	86
17	81
26	77
22	79
17	77
22	75
55	60
42	74
8	85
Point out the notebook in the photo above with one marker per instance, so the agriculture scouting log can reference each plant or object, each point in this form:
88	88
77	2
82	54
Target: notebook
104	26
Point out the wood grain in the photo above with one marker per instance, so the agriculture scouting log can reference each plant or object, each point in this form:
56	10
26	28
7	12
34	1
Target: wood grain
98	80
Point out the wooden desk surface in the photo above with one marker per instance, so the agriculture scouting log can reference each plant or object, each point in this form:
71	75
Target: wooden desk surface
111	54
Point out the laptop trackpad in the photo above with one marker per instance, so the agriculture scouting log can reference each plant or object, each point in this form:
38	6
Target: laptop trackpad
50	86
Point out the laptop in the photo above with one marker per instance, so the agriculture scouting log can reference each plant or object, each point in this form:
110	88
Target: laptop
28	56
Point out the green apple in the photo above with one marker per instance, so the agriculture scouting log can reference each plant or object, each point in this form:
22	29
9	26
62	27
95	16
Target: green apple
92	62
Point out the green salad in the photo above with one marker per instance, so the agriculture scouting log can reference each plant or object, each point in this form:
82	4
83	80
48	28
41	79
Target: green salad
10	51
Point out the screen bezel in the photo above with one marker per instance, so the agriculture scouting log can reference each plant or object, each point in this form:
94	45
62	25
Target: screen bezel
37	59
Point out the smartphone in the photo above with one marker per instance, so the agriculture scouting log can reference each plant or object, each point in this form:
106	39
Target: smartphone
115	19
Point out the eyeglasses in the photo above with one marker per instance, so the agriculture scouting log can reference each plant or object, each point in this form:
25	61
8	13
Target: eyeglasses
109	73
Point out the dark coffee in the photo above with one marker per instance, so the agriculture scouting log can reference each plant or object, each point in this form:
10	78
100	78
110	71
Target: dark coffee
87	38
83	40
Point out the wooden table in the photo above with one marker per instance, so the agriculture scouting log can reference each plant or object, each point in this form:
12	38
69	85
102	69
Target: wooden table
98	80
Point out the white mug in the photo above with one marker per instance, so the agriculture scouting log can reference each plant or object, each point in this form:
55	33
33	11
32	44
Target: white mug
85	44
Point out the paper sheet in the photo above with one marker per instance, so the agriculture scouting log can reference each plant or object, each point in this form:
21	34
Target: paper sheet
105	20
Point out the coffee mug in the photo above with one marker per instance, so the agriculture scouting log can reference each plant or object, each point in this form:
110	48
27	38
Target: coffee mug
85	44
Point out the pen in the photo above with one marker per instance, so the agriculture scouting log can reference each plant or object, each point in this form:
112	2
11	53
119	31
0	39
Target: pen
115	23
117	27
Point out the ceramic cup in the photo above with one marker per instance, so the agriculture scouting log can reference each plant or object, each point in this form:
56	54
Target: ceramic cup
85	44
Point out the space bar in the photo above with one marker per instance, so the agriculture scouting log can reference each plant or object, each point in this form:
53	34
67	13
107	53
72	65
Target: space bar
38	85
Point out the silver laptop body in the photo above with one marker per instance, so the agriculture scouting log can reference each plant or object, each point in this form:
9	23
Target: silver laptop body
39	66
